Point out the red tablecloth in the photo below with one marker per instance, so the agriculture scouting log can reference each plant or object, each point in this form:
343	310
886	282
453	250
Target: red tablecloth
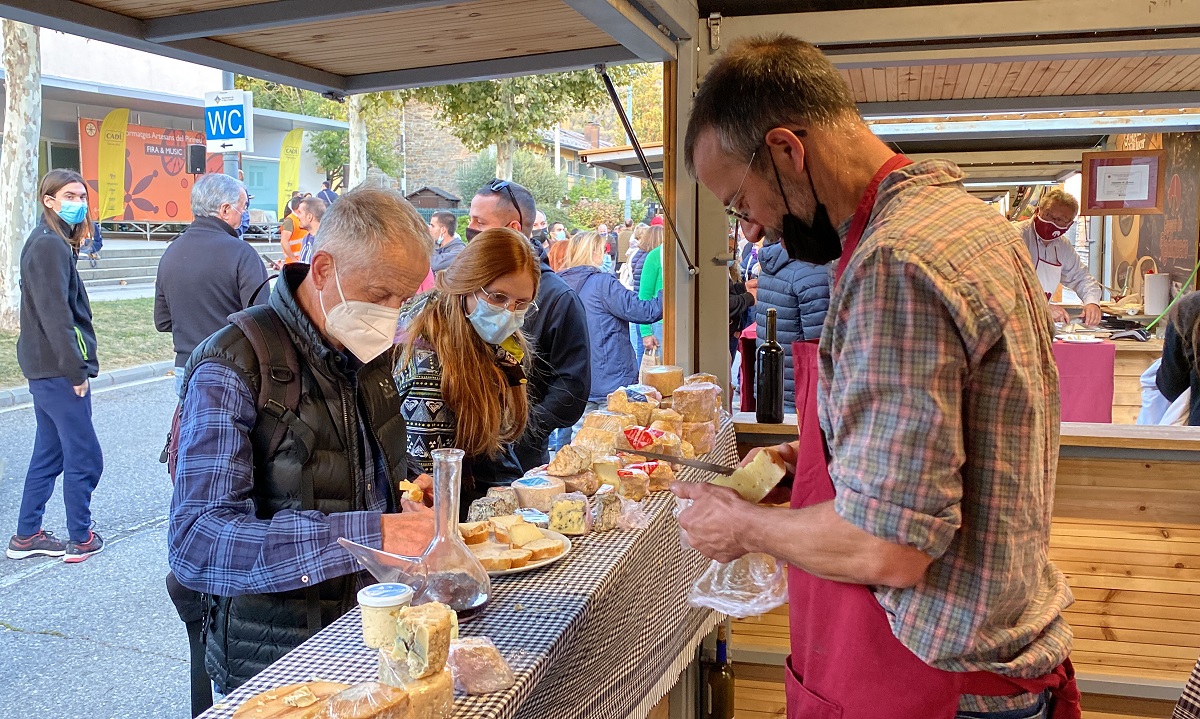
746	345
1085	380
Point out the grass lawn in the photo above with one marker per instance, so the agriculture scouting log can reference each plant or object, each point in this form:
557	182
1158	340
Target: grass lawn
125	336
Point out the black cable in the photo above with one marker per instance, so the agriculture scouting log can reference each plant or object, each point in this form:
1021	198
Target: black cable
641	155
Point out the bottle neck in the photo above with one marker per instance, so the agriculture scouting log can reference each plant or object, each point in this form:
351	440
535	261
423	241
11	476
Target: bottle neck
722	652
447	484
771	326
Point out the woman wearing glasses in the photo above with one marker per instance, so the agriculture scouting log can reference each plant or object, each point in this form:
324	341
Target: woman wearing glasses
610	308
462	360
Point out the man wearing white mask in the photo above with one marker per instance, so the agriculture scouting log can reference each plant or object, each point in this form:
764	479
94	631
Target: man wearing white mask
1053	257
263	489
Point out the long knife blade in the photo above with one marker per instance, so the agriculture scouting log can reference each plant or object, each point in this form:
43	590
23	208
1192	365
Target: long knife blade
693	463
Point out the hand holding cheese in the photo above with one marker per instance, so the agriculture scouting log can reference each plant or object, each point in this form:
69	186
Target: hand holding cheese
755	480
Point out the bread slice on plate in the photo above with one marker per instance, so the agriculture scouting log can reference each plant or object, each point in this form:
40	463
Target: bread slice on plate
501	526
474	532
544	548
517	557
495	561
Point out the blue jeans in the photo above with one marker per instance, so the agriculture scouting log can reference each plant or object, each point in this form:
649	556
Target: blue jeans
1037	711
178	381
65	443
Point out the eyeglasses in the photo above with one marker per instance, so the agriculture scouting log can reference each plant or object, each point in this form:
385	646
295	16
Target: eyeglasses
499	299
497	185
735	215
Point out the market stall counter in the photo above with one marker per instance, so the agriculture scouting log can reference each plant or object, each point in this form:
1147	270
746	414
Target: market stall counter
605	632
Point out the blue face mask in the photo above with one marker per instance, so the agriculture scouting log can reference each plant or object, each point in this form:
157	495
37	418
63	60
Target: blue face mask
494	324
72	212
607	264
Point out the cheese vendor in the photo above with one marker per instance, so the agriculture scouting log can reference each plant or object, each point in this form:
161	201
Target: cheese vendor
919	516
1054	259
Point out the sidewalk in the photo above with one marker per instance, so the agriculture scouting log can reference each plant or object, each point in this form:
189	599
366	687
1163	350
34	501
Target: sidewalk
20	395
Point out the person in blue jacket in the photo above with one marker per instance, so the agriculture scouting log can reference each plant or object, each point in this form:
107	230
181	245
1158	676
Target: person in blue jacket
610	307
799	292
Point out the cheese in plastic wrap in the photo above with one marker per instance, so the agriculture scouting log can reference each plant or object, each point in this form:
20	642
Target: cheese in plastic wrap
627	400
608	420
701	435
369	700
478	667
429	698
697	402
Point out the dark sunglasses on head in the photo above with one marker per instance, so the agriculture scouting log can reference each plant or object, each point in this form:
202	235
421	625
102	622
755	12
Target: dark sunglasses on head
497	185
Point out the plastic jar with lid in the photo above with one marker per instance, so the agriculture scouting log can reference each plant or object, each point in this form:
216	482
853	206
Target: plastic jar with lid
381	605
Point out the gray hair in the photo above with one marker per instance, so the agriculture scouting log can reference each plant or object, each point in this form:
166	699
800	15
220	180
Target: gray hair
366	223
803	87
1058	196
212	191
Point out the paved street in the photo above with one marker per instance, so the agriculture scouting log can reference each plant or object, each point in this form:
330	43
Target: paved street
98	639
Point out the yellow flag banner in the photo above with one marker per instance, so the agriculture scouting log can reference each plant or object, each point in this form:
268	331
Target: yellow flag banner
111	165
289	166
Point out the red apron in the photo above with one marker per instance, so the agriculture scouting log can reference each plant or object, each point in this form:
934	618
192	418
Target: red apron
846	663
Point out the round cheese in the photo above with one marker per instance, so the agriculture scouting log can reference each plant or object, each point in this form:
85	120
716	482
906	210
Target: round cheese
537	492
664	378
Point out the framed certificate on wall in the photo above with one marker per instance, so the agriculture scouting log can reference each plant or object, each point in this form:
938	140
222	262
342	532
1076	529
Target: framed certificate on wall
1123	183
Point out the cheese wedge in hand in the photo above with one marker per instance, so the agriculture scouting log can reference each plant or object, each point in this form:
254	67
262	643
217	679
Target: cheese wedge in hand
757	479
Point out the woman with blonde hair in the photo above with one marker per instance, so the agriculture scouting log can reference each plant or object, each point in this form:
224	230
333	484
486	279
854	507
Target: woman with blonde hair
610	308
462	360
56	351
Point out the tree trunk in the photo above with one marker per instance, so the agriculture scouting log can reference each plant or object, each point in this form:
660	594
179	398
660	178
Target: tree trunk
504	158
18	157
358	141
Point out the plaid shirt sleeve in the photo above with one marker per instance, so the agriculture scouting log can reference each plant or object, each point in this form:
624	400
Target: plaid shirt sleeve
896	406
216	543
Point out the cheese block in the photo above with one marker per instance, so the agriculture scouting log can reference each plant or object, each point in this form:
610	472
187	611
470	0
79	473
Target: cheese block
606	512
660	473
701	435
701	378
545	548
670	444
535	492
569	460
627	400
369	700
501	525
478	667
432	697
605	468
410	491
667	420
485	508
635	484
586	482
292	701
607	420
474	532
521	534
664	377
757	479
423	638
569	514
506	493
597	441
686	450
697	402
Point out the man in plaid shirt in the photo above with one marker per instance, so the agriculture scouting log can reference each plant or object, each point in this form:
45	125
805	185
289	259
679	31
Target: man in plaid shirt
937	398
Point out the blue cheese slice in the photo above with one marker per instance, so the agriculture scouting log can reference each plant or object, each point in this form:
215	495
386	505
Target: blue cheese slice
606	512
569	514
423	637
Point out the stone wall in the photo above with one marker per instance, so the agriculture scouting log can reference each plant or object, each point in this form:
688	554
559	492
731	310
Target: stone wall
433	156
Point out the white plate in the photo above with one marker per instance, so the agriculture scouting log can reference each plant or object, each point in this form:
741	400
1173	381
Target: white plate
541	562
1080	339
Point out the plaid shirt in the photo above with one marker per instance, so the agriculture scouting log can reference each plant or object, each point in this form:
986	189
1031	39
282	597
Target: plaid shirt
216	544
939	398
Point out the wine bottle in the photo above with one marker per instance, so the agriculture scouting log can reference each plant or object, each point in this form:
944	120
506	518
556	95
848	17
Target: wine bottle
719	682
769	377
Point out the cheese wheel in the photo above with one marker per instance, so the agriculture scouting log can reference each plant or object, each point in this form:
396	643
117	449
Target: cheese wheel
536	492
701	435
700	378
369	700
665	378
697	402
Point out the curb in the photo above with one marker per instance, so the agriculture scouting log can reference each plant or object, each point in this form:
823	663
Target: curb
116	378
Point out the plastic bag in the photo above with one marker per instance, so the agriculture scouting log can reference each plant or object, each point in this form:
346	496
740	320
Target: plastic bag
649	359
746	587
366	699
478	667
633	515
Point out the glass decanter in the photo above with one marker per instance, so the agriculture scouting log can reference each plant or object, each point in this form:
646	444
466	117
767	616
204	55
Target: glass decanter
453	575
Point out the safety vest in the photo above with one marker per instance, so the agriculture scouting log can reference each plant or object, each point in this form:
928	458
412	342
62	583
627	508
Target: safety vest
295	243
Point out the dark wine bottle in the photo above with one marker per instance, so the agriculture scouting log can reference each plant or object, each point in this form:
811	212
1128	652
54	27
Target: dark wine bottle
769	377
718	686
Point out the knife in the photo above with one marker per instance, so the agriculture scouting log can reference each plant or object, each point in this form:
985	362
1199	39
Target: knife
693	463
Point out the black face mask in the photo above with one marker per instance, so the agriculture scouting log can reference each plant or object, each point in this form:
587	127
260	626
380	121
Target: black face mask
470	233
818	243
540	235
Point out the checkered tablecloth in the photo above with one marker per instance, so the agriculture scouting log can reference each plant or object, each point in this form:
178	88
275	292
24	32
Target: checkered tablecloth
601	634
1188	706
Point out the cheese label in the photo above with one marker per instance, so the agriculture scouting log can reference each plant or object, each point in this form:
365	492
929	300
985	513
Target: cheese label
641	437
537	482
635	396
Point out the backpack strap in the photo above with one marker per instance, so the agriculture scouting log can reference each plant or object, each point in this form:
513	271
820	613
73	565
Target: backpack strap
279	376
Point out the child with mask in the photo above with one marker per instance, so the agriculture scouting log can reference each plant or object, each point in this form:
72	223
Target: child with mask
57	354
462	360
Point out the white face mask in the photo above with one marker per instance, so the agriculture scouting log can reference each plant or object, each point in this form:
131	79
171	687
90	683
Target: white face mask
365	328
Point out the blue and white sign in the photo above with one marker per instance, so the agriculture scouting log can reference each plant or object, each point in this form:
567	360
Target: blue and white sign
229	121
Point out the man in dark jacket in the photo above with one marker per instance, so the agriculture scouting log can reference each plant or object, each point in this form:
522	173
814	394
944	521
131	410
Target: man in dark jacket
558	384
254	524
446	242
207	273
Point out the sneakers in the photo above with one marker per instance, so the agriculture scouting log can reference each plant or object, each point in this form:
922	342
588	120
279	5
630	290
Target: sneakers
79	551
42	544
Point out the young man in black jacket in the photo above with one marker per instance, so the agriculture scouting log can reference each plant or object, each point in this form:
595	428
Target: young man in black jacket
561	376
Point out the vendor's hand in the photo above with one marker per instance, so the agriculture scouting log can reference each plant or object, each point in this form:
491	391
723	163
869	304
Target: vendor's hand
409	533
1059	315
753	291
650	342
425	482
1091	314
706	523
82	389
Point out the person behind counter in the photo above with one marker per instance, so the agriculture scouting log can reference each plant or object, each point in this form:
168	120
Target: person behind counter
1054	259
918	577
258	532
462	360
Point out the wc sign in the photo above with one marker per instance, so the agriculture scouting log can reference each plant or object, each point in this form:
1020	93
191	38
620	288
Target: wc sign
229	121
